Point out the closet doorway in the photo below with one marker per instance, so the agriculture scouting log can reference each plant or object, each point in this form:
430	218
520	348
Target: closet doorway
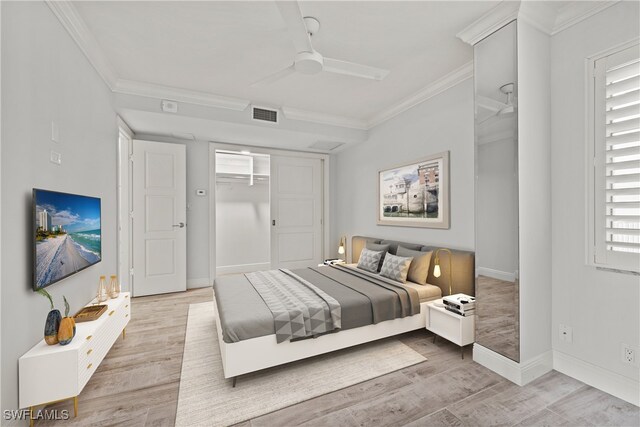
242	232
268	209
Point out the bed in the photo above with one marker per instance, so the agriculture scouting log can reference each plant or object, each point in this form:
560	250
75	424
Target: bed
371	308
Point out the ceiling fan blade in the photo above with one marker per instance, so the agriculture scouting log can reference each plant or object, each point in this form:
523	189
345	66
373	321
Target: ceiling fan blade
274	77
353	69
290	11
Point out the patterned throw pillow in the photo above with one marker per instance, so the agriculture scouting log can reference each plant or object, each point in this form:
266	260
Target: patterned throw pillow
378	247
396	267
369	260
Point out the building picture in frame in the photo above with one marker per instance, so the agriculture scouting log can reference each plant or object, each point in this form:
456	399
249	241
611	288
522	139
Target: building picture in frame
416	194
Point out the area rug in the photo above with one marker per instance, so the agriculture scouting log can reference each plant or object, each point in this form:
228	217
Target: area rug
206	398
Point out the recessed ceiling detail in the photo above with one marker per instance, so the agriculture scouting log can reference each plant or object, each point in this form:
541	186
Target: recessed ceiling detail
208	53
218	48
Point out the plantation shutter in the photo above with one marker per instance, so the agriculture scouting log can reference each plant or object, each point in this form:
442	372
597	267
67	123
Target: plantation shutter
617	159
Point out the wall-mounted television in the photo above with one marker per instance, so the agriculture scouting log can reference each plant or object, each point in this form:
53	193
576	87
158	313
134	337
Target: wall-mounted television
67	235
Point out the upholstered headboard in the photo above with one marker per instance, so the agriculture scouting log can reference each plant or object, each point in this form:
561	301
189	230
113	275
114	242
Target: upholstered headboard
462	264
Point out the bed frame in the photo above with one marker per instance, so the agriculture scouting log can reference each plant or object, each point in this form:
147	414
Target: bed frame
254	354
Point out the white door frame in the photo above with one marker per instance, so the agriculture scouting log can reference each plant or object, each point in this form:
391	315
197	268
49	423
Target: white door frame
213	146
1	407
125	266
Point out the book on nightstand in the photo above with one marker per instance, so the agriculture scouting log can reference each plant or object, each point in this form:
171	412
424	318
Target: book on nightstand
460	313
461	304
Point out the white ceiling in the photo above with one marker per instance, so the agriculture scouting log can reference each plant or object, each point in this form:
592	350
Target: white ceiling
220	48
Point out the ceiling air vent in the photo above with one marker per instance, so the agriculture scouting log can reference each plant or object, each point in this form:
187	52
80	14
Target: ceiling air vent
265	115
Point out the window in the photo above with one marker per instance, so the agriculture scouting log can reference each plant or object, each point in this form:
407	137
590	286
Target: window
616	155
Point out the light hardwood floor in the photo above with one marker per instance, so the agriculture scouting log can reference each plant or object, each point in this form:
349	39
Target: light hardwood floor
137	385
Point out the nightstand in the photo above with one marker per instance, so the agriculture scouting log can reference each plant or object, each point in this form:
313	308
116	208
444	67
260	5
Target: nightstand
458	329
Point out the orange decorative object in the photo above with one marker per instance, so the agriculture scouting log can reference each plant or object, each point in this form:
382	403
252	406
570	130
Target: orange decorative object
67	329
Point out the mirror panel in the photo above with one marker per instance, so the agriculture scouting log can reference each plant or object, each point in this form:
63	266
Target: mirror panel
496	155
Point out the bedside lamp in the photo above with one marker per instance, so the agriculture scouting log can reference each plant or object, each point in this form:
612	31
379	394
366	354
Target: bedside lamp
342	249
436	269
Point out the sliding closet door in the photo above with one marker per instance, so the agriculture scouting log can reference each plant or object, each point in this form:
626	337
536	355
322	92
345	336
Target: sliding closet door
296	212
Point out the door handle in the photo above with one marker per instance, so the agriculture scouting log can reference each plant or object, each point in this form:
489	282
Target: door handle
180	224
273	222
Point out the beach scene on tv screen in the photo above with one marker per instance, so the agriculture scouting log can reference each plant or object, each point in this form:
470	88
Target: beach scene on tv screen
67	235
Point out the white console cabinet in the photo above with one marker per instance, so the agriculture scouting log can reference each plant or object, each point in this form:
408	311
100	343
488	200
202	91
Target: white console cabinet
51	373
458	329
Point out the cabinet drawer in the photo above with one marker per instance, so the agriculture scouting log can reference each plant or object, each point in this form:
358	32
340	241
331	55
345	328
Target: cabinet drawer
92	353
125	312
85	371
445	325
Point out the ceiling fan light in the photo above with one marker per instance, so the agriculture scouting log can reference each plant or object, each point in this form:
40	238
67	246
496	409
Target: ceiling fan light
308	62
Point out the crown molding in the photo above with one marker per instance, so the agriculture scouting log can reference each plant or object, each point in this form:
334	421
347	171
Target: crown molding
539	14
536	13
577	11
448	81
490	22
327	119
68	16
150	90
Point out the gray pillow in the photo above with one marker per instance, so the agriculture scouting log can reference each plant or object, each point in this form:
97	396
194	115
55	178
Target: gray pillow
378	247
419	269
369	260
396	267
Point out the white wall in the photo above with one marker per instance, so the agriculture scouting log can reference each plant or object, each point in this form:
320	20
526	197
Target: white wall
602	307
243	232
1	407
197	209
534	181
45	78
444	122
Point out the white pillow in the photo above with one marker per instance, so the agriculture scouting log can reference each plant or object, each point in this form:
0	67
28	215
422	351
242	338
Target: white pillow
396	267
369	260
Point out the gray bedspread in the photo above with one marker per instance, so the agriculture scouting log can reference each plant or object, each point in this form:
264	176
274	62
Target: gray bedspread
363	299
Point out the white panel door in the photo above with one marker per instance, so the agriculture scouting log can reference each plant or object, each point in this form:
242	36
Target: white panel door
159	218
296	212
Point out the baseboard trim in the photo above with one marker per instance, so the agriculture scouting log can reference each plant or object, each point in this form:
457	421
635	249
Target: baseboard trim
242	268
610	382
198	283
518	373
496	274
536	367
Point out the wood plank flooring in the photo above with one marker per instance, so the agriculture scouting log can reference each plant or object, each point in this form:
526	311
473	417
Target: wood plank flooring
137	385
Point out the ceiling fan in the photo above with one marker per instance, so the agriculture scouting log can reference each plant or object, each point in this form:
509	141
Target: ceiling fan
307	59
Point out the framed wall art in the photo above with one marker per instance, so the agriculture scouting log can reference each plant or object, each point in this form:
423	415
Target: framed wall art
415	194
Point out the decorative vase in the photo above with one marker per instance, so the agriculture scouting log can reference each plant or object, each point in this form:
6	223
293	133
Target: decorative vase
52	323
114	287
102	290
67	329
51	327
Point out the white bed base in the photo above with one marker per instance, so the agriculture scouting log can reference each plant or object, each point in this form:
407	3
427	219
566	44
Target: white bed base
254	354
